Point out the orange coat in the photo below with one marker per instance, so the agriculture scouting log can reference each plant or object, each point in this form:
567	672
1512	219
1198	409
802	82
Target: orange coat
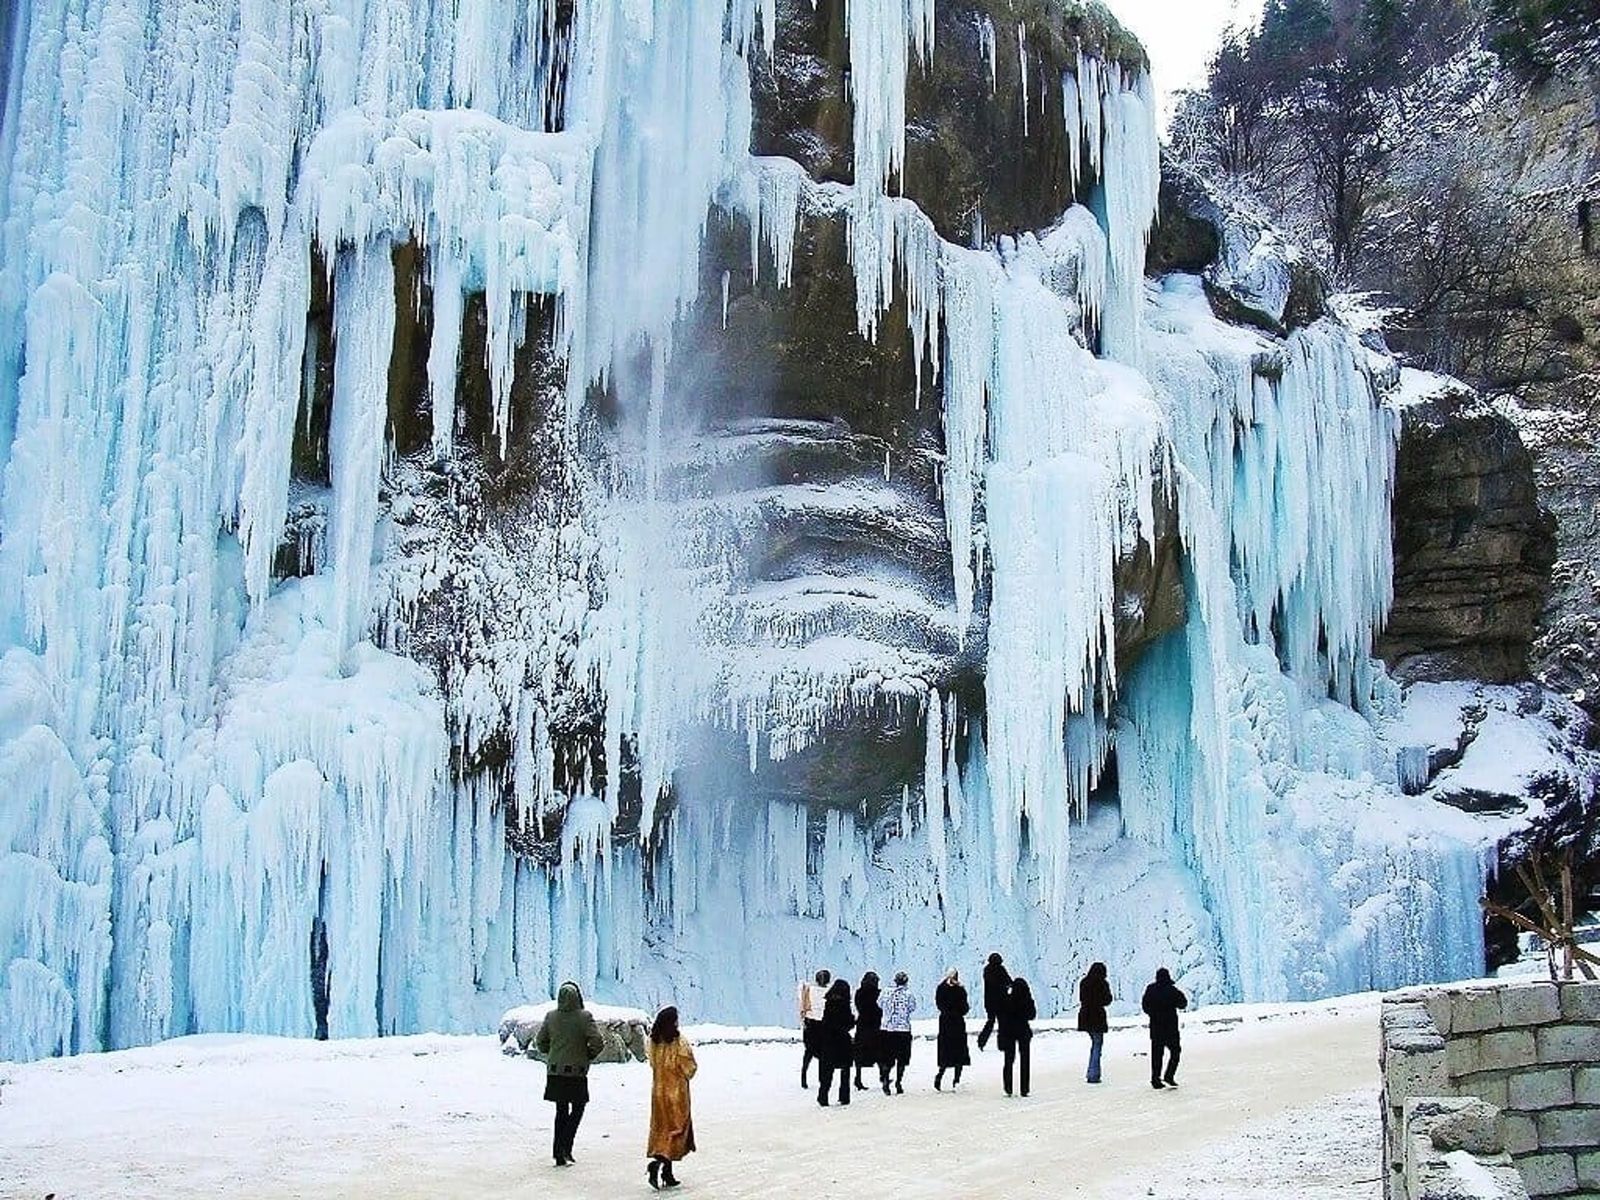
671	1123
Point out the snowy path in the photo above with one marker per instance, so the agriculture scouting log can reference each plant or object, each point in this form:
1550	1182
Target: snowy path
441	1117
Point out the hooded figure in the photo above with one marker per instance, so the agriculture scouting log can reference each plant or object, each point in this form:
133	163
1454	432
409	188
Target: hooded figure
672	1066
1094	996
1016	1032
996	989
837	1022
950	998
569	1040
869	1025
1161	1003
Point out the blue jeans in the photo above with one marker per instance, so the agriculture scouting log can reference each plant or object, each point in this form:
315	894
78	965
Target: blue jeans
1096	1041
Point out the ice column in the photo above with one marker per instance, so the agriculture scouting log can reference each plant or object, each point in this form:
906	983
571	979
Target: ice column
363	324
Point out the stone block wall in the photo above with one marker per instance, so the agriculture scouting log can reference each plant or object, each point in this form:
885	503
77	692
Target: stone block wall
1530	1051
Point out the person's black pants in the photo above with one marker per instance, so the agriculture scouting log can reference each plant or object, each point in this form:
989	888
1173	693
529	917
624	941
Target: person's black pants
1021	1053
827	1070
811	1039
1157	1045
987	1031
568	1114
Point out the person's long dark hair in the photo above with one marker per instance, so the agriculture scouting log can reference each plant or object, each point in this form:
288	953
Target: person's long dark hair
1097	970
869	984
665	1030
1020	989
840	991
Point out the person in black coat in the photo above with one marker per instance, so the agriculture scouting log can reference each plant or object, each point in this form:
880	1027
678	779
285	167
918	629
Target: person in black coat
1094	997
1161	1003
869	1025
996	992
1016	1032
837	1022
950	998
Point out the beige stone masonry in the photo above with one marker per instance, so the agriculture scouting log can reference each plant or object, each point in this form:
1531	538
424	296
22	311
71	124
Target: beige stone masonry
1548	1087
1527	1053
1586	1087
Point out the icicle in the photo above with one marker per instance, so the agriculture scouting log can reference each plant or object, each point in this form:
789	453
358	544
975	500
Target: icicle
273	398
444	353
952	770
1132	180
933	785
1072	117
363	323
1022	68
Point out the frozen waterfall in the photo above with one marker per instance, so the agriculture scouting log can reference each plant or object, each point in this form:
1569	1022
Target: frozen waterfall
232	798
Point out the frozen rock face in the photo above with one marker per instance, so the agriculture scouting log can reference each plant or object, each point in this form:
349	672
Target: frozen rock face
1473	548
986	152
1253	274
522	534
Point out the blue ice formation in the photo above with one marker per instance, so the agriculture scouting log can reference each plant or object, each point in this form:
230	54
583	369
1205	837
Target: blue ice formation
210	774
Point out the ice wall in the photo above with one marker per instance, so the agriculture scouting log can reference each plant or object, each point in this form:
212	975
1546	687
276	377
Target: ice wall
221	799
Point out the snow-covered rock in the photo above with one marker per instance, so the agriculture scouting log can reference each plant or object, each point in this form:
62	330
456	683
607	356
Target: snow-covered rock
625	1030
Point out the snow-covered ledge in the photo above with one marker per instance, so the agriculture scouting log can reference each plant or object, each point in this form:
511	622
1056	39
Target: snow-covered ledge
1478	1077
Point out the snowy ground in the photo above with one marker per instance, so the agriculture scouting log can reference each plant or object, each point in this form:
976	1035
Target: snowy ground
1275	1101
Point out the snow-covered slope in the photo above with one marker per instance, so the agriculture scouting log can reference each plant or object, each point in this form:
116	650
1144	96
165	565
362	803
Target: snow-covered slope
232	800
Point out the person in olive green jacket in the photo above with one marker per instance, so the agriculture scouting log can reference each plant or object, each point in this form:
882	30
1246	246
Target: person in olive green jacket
570	1040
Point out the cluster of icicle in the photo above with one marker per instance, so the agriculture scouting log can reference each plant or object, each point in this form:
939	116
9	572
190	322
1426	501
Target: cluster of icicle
203	769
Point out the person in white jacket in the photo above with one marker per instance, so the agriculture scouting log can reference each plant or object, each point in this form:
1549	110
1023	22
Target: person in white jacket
810	996
898	1005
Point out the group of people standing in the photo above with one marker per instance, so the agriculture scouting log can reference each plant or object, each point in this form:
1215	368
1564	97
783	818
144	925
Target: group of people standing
844	1039
878	1031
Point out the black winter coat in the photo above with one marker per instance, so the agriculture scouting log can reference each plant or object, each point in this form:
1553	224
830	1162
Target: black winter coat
869	1028
1094	996
1162	1000
837	1022
951	1001
1015	1020
996	988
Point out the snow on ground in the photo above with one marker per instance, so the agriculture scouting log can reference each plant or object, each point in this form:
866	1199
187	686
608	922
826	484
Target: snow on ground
1277	1101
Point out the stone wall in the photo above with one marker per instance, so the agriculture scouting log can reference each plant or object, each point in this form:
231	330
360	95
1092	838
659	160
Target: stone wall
1528	1052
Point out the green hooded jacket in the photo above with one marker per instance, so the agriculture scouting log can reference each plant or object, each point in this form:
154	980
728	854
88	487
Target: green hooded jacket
568	1037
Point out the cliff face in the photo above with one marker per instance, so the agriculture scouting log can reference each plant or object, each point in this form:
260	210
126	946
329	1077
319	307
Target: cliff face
1472	546
1520	150
1548	142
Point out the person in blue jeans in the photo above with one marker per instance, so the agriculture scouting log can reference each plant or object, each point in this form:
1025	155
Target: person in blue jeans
1094	997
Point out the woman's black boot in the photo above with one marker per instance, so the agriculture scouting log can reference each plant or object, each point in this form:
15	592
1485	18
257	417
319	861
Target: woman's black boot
653	1174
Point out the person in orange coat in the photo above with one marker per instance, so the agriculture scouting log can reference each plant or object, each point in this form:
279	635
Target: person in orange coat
672	1065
